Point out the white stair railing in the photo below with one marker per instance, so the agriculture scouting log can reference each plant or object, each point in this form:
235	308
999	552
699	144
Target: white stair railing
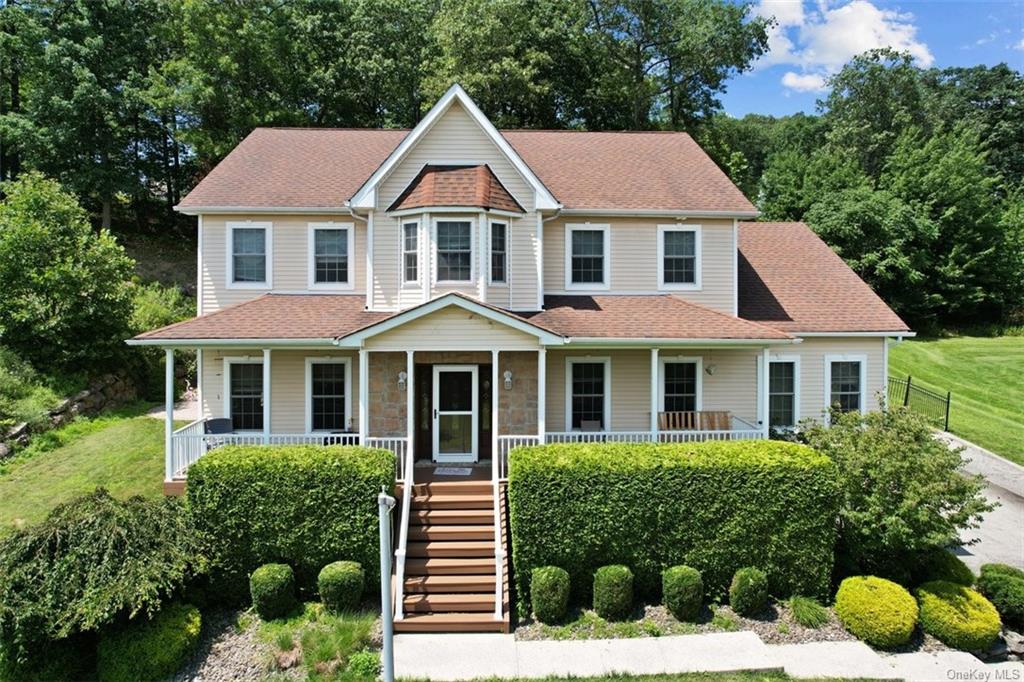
499	552
403	532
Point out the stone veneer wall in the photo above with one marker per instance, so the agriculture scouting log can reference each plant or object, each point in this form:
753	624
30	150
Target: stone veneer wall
517	414
386	399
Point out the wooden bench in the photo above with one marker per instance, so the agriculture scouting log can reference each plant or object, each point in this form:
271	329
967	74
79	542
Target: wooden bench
695	421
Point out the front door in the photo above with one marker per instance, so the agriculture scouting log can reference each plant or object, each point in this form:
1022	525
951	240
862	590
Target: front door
456	405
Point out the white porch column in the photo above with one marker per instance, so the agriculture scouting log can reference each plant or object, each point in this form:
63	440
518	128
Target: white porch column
266	395
364	394
169	414
654	394
765	364
542	389
410	429
495	455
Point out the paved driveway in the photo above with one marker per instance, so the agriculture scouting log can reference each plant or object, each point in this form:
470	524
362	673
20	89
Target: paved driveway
1001	536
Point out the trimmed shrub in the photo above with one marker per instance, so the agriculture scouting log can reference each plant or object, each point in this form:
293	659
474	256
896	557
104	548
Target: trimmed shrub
958	616
341	585
272	587
941	564
808	612
713	506
613	592
876	610
91	560
364	664
683	592
1004	587
549	589
748	593
149	649
254	504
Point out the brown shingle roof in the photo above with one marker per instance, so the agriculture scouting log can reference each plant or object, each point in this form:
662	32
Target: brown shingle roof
790	279
275	316
310	167
474	186
643	317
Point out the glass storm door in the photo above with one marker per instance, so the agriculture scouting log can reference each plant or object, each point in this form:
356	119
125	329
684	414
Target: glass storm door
455	413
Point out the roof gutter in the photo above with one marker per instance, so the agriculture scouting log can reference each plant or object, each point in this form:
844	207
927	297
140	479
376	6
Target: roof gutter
887	334
212	210
600	342
233	343
660	213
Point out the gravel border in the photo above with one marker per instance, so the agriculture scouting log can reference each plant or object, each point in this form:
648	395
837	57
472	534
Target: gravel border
225	653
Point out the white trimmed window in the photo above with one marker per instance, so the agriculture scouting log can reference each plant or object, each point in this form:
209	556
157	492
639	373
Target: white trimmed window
846	382
588	394
328	394
330	255
410	253
679	249
783	391
681	384
454	240
499	253
249	255
243	399
587	256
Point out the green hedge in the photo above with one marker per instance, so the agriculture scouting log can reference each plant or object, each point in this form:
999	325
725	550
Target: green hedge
549	587
272	588
304	505
748	593
714	506
1004	587
149	649
341	585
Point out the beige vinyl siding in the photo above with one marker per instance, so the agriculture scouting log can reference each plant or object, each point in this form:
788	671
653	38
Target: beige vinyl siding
287	384
634	258
289	266
452	328
812	354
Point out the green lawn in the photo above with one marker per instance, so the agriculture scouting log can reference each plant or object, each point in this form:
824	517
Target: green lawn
123	452
986	376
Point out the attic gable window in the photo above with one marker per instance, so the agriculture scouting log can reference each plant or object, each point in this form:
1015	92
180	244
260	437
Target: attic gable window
454	251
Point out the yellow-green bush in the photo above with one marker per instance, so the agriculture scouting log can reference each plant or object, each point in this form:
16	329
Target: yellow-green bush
958	616
714	506
876	610
149	649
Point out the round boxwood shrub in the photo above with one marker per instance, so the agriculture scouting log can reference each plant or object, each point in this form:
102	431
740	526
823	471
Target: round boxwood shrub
1004	587
613	592
958	616
941	564
149	649
341	585
549	593
748	593
683	589
272	587
876	610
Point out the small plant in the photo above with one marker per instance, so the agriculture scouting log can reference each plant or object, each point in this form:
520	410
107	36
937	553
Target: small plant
783	628
1004	587
876	610
341	585
748	593
365	663
808	612
683	589
613	592
651	628
147	649
958	616
549	591
284	640
272	587
725	621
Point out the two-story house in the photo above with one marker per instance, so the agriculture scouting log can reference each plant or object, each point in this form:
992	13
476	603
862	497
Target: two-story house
453	291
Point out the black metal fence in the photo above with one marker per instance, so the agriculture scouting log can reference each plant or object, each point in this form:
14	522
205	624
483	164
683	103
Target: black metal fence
933	405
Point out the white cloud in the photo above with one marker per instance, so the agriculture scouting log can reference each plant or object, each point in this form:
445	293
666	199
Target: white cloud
1020	45
804	82
820	39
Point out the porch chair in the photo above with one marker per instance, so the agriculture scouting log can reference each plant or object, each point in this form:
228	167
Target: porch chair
714	420
220	425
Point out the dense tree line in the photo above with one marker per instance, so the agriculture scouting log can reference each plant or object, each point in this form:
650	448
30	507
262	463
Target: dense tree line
915	176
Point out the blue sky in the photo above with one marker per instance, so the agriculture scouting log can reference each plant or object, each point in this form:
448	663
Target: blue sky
814	38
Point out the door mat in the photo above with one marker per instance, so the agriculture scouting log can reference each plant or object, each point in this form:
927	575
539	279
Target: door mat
453	471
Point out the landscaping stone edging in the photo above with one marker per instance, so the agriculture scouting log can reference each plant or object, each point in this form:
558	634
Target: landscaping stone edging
108	392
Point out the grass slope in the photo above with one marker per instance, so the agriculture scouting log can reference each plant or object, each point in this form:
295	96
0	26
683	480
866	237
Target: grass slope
986	376
122	452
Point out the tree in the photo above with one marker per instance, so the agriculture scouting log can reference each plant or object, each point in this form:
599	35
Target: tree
65	302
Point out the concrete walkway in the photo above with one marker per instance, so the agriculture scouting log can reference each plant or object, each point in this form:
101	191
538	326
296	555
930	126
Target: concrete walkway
186	411
468	657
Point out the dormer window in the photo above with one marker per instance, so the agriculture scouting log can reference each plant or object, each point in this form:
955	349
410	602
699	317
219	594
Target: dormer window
454	251
330	246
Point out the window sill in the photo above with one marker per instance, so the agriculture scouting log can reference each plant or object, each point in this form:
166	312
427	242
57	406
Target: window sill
249	285
332	286
680	287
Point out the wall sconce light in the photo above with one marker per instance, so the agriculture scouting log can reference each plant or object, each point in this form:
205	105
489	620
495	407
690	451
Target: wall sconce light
710	369
508	379
403	377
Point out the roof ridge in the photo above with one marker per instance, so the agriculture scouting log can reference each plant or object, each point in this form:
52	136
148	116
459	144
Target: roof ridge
338	128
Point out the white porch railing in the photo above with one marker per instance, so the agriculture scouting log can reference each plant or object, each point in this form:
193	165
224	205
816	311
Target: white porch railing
407	469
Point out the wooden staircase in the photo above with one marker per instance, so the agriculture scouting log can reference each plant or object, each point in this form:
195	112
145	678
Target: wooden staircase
449	565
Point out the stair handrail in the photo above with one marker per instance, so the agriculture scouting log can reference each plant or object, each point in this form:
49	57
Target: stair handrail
403	532
499	553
